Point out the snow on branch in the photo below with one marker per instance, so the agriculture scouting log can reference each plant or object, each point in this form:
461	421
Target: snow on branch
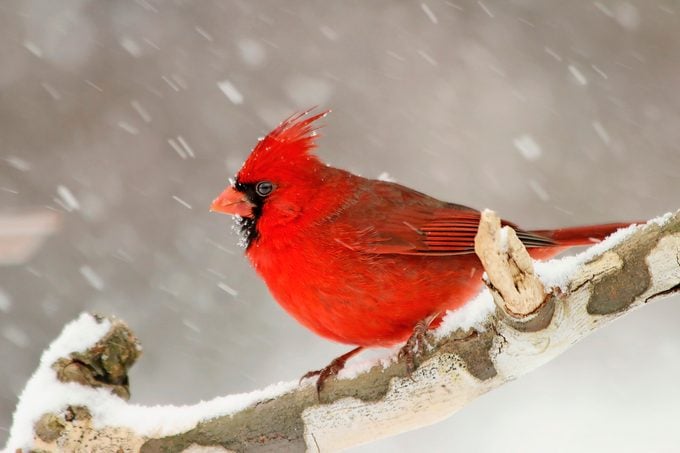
533	311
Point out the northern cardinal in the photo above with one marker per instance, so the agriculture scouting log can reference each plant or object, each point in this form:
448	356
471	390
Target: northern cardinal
356	260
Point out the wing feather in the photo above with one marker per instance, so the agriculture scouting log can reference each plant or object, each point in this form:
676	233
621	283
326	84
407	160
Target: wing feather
387	218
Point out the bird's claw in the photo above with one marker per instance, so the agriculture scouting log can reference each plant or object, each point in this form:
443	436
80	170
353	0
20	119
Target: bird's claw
324	373
331	370
416	345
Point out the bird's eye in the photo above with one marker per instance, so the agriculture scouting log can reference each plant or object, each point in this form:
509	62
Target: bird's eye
264	188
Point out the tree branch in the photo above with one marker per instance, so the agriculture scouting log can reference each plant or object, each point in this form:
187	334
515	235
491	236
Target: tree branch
528	327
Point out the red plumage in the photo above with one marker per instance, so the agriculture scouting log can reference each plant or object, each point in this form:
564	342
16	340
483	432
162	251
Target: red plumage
356	260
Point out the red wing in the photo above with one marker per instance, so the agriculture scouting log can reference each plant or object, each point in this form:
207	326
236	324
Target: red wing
405	222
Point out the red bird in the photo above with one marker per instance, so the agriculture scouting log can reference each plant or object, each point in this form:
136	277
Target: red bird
356	260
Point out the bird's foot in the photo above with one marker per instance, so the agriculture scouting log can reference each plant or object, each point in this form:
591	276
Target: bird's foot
417	343
331	370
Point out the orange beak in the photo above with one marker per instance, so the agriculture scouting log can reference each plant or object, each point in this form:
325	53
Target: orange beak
232	202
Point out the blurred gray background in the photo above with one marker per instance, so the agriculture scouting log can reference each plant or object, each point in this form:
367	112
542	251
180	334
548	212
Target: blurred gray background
124	119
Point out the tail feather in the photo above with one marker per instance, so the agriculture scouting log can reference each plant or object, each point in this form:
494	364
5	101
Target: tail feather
582	235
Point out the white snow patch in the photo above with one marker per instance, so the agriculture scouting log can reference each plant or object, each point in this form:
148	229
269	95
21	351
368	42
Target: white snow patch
503	239
661	220
557	273
471	315
230	92
384	176
44	393
528	147
372	357
578	75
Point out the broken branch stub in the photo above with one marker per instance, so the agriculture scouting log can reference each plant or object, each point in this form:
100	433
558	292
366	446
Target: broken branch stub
106	363
515	287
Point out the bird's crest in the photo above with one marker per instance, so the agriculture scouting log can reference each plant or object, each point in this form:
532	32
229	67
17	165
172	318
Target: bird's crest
290	142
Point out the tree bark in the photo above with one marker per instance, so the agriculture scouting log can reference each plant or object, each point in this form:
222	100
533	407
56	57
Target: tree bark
529	327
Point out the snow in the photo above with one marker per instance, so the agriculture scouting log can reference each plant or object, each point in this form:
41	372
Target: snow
528	147
18	163
171	83
16	336
70	202
627	15
227	289
428	12
92	277
503	239
553	273
552	53
94	85
33	48
44	393
329	33
182	202
141	111
307	90
539	190
384	176
471	315
252	52
5	301
578	75
185	145
601	132
56	95
131	46
230	91
127	127
486	9
372	357
427	57
558	272
203	33
178	149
